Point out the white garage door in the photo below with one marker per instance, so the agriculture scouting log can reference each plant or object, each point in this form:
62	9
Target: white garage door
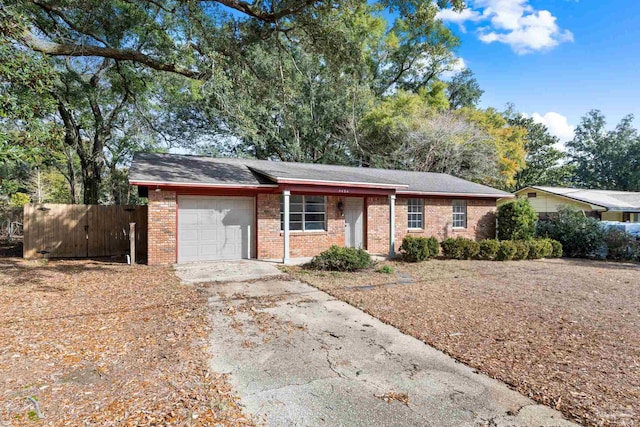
215	228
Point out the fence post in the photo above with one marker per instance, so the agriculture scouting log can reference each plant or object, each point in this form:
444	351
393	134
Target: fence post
132	242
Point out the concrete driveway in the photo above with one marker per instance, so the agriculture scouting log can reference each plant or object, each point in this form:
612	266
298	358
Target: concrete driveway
299	357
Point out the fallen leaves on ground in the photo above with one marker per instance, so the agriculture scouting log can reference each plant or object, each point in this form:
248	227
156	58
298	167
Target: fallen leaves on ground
392	396
102	343
563	332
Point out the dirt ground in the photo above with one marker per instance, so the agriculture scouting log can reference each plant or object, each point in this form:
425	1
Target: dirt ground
564	332
103	343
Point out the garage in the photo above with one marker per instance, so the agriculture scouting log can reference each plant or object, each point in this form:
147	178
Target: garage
215	228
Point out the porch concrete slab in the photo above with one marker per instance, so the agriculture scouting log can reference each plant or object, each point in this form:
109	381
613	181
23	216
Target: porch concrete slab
299	357
226	271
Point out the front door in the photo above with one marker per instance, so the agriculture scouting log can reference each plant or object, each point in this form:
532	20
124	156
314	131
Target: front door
354	222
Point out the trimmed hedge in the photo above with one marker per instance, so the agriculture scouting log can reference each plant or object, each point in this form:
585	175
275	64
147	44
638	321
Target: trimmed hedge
488	249
337	258
416	249
506	250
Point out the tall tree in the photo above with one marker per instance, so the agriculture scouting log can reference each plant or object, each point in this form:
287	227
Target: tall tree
606	159
106	48
544	161
464	90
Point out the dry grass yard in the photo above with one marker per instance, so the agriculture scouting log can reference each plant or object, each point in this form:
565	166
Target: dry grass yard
564	332
100	343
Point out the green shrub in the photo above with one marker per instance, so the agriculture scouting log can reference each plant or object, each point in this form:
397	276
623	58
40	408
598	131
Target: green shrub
460	248
416	249
506	250
471	248
341	259
386	269
516	220
580	236
434	246
488	249
451	248
556	251
537	249
547	248
620	244
522	249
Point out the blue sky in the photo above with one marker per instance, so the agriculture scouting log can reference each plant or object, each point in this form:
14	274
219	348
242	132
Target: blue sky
554	59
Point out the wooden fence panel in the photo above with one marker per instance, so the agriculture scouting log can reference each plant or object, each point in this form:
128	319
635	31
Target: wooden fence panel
79	231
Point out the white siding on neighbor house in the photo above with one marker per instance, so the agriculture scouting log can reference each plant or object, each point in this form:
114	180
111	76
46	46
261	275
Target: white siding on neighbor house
612	216
544	202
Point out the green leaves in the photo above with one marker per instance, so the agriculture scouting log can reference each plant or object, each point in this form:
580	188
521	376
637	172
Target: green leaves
603	158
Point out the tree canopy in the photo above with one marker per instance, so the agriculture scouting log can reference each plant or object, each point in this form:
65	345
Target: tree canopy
368	83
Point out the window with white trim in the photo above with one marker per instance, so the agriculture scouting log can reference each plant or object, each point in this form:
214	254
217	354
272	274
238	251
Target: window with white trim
306	213
415	213
459	214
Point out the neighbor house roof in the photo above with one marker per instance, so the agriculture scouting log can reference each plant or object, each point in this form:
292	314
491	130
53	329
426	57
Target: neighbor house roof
617	201
184	170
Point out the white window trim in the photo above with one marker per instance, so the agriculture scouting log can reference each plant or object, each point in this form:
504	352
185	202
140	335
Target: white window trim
465	216
421	214
324	230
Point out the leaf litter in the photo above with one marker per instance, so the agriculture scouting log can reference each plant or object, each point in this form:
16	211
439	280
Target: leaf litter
104	343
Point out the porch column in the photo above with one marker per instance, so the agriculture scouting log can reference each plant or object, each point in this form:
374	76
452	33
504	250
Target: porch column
392	226
285	256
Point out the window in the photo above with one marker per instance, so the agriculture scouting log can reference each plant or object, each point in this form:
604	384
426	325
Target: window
532	195
635	217
306	213
415	213
459	214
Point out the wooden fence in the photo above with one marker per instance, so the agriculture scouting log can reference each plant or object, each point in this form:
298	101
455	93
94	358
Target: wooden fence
83	231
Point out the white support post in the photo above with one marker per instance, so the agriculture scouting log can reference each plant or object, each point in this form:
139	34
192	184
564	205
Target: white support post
285	257
392	226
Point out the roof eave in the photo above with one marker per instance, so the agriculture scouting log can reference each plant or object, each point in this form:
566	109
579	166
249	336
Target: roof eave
453	194
147	183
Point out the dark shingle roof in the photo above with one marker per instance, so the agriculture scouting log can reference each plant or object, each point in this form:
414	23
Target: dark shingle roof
184	169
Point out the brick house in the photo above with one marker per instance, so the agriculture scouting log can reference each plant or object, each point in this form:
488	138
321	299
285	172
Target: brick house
203	208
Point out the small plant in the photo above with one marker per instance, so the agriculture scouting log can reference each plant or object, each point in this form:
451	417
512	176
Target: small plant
386	269
471	248
522	249
556	251
506	250
536	249
337	258
460	248
488	249
451	248
416	249
620	244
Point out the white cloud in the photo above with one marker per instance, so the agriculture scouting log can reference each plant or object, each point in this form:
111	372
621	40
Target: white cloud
557	124
512	22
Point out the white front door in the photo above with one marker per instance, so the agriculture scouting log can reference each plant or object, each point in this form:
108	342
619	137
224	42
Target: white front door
354	222
215	228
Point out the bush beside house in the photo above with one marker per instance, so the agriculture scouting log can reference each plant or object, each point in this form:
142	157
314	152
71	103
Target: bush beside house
416	249
516	220
580	236
337	258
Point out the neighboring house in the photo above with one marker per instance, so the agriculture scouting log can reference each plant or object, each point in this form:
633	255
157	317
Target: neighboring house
203	208
605	205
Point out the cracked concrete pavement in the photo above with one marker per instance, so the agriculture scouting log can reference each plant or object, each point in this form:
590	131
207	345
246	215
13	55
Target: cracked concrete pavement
299	357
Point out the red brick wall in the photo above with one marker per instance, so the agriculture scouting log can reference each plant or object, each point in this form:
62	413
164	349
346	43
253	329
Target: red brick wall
378	225
301	244
162	227
438	217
